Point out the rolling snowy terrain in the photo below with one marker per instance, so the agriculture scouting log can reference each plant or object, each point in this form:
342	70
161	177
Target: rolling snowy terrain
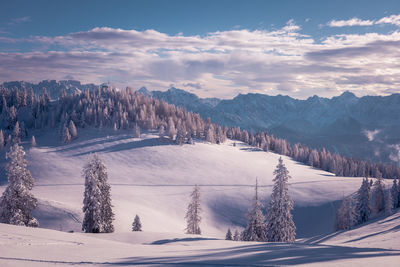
153	178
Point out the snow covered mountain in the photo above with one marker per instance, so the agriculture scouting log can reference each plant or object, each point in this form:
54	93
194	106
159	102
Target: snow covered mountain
366	127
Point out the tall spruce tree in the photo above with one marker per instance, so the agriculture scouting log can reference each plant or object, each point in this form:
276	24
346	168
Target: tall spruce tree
193	213
363	207
228	235
378	193
17	201
97	198
280	225
256	227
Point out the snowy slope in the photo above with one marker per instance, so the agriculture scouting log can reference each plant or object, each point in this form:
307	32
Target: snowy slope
154	178
366	246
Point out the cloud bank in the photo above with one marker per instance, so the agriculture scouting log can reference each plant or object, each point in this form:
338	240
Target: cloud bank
218	64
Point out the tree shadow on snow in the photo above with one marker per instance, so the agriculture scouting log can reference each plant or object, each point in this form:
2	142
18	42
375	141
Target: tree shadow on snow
130	145
188	239
265	254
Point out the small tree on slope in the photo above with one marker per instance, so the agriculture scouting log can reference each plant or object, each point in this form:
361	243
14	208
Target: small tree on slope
378	193
193	213
363	208
97	199
256	228
395	194
280	225
345	215
17	201
136	225
228	235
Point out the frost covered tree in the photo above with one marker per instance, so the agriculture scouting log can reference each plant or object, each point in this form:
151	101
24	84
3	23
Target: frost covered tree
236	235
378	194
136	225
97	198
193	213
346	216
161	132
33	141
72	129
363	207
389	204
280	225
17	201
2	143
66	136
395	194
16	135
228	235
136	131
256	227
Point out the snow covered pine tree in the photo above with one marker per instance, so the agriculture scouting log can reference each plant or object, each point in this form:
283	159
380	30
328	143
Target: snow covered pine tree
228	235
280	225
17	202
346	216
193	213
136	225
97	199
256	227
363	207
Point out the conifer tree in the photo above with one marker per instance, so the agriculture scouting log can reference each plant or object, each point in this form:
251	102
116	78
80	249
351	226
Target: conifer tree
346	215
136	225
136	131
193	213
161	132
2	143
72	129
97	199
17	201
280	225
33	141
395	194
228	235
16	135
236	235
66	136
256	227
363	208
378	193
389	204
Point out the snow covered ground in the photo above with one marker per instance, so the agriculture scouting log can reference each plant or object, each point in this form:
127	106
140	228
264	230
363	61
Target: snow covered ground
153	178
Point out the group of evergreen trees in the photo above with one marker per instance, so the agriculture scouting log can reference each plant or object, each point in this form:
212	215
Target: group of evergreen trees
278	225
372	198
125	109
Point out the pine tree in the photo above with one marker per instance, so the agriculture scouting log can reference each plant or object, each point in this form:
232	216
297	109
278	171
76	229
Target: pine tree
97	199
236	235
363	208
395	194
280	225
2	143
228	235
72	130
136	225
66	136
389	204
193	213
33	141
161	132
136	131
346	216
256	227
16	135
378	193
17	201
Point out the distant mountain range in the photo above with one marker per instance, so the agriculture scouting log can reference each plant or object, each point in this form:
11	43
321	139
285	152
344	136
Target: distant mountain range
364	127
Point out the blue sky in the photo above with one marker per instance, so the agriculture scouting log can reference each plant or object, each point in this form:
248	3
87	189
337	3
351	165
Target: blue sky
212	48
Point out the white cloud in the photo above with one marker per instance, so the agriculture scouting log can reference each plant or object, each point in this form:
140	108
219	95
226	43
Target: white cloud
219	64
371	135
393	19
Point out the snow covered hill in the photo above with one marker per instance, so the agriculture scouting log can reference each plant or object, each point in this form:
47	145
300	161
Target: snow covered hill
153	178
375	244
